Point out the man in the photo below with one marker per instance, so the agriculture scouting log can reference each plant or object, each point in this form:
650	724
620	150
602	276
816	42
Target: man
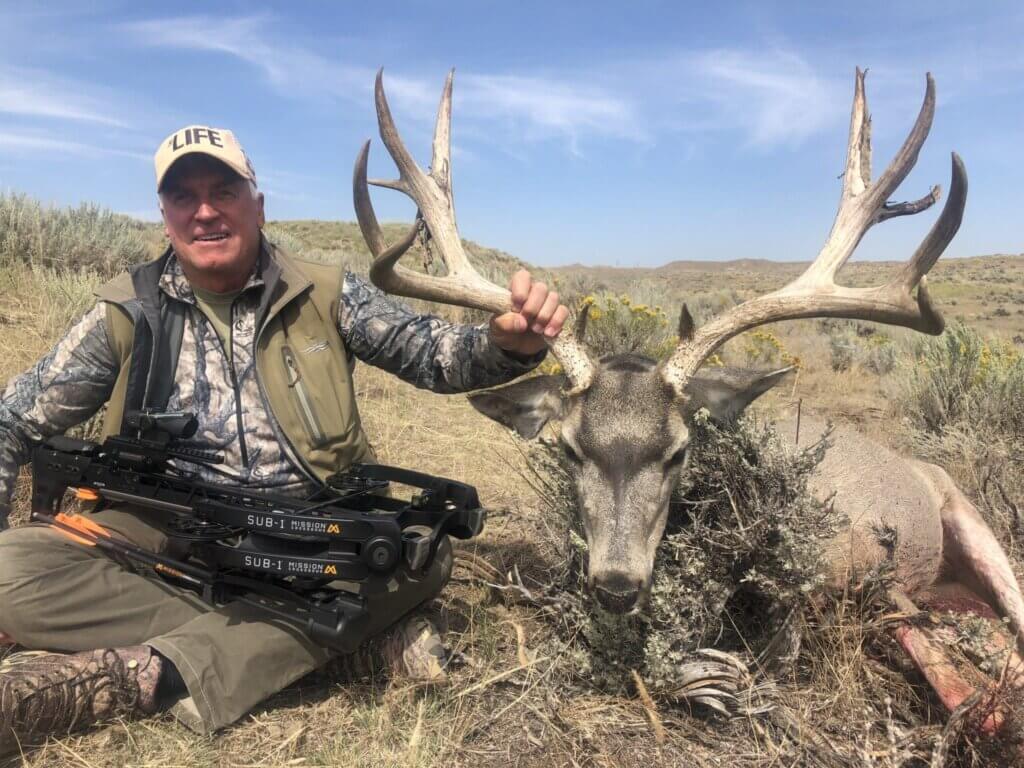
260	347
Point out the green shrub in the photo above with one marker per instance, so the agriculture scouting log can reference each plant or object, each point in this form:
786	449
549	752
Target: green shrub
960	378
86	237
706	305
962	397
880	357
843	351
742	548
858	344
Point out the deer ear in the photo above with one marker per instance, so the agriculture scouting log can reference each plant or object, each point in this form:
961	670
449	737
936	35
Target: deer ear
726	392
525	406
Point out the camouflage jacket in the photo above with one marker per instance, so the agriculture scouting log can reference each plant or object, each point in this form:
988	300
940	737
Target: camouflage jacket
76	378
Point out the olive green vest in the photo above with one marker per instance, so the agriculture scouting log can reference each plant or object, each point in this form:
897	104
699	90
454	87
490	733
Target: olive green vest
303	368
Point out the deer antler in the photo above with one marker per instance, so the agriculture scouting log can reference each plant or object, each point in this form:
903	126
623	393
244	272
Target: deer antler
432	192
863	204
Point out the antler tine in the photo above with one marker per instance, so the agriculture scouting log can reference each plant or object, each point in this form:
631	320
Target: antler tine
892	210
863	204
940	235
906	158
580	326
365	215
384	271
858	153
432	192
441	157
396	184
431	195
392	140
384	257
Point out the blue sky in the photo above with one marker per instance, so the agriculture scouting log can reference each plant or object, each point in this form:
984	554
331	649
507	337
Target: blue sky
614	133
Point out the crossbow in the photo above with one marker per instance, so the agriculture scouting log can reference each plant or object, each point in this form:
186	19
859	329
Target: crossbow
308	560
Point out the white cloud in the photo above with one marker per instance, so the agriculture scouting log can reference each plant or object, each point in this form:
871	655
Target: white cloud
238	37
771	97
775	97
551	105
21	142
537	107
291	69
37	94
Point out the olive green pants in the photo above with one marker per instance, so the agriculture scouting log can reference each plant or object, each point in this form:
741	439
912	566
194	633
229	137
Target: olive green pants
56	594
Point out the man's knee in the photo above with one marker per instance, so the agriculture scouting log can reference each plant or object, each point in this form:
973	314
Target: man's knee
27	555
27	552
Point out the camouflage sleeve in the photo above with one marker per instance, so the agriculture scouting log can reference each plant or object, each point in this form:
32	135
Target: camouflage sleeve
63	389
422	349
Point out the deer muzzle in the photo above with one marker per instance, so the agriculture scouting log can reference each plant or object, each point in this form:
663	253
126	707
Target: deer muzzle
617	592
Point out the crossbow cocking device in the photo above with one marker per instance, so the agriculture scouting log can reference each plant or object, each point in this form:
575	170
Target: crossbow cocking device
284	555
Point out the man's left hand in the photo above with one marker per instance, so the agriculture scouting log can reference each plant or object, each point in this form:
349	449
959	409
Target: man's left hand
536	315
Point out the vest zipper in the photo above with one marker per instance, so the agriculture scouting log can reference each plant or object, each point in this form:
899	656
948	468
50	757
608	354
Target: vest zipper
286	443
279	433
305	404
282	437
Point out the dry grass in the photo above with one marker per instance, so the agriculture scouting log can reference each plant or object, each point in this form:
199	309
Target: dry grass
849	701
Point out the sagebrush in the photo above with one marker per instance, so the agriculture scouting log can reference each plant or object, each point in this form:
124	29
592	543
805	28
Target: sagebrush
741	551
87	237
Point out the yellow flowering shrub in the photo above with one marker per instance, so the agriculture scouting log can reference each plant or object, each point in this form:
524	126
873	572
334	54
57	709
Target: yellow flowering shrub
617	325
764	347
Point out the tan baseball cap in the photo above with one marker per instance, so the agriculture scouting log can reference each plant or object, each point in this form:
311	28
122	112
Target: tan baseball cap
219	143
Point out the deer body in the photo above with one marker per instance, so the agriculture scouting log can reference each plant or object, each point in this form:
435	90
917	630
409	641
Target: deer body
892	507
939	539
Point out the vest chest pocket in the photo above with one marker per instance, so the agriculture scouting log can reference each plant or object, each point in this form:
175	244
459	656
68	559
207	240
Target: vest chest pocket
301	397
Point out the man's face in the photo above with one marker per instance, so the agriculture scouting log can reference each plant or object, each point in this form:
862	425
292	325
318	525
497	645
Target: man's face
213	218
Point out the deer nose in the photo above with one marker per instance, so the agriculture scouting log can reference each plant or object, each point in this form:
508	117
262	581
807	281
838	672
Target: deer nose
616	592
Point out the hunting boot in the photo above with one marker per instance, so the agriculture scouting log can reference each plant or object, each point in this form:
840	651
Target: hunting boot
51	694
411	650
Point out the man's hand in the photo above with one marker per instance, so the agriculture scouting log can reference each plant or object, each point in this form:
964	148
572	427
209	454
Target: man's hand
536	315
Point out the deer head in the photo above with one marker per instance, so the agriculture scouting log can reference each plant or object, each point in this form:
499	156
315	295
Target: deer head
625	419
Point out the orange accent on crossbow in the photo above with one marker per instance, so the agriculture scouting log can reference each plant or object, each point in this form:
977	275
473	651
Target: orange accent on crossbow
87	494
82	524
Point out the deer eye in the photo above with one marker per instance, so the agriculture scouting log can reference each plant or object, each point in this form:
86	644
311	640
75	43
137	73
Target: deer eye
570	453
679	457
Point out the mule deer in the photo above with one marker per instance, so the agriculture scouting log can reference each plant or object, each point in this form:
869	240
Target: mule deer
624	419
